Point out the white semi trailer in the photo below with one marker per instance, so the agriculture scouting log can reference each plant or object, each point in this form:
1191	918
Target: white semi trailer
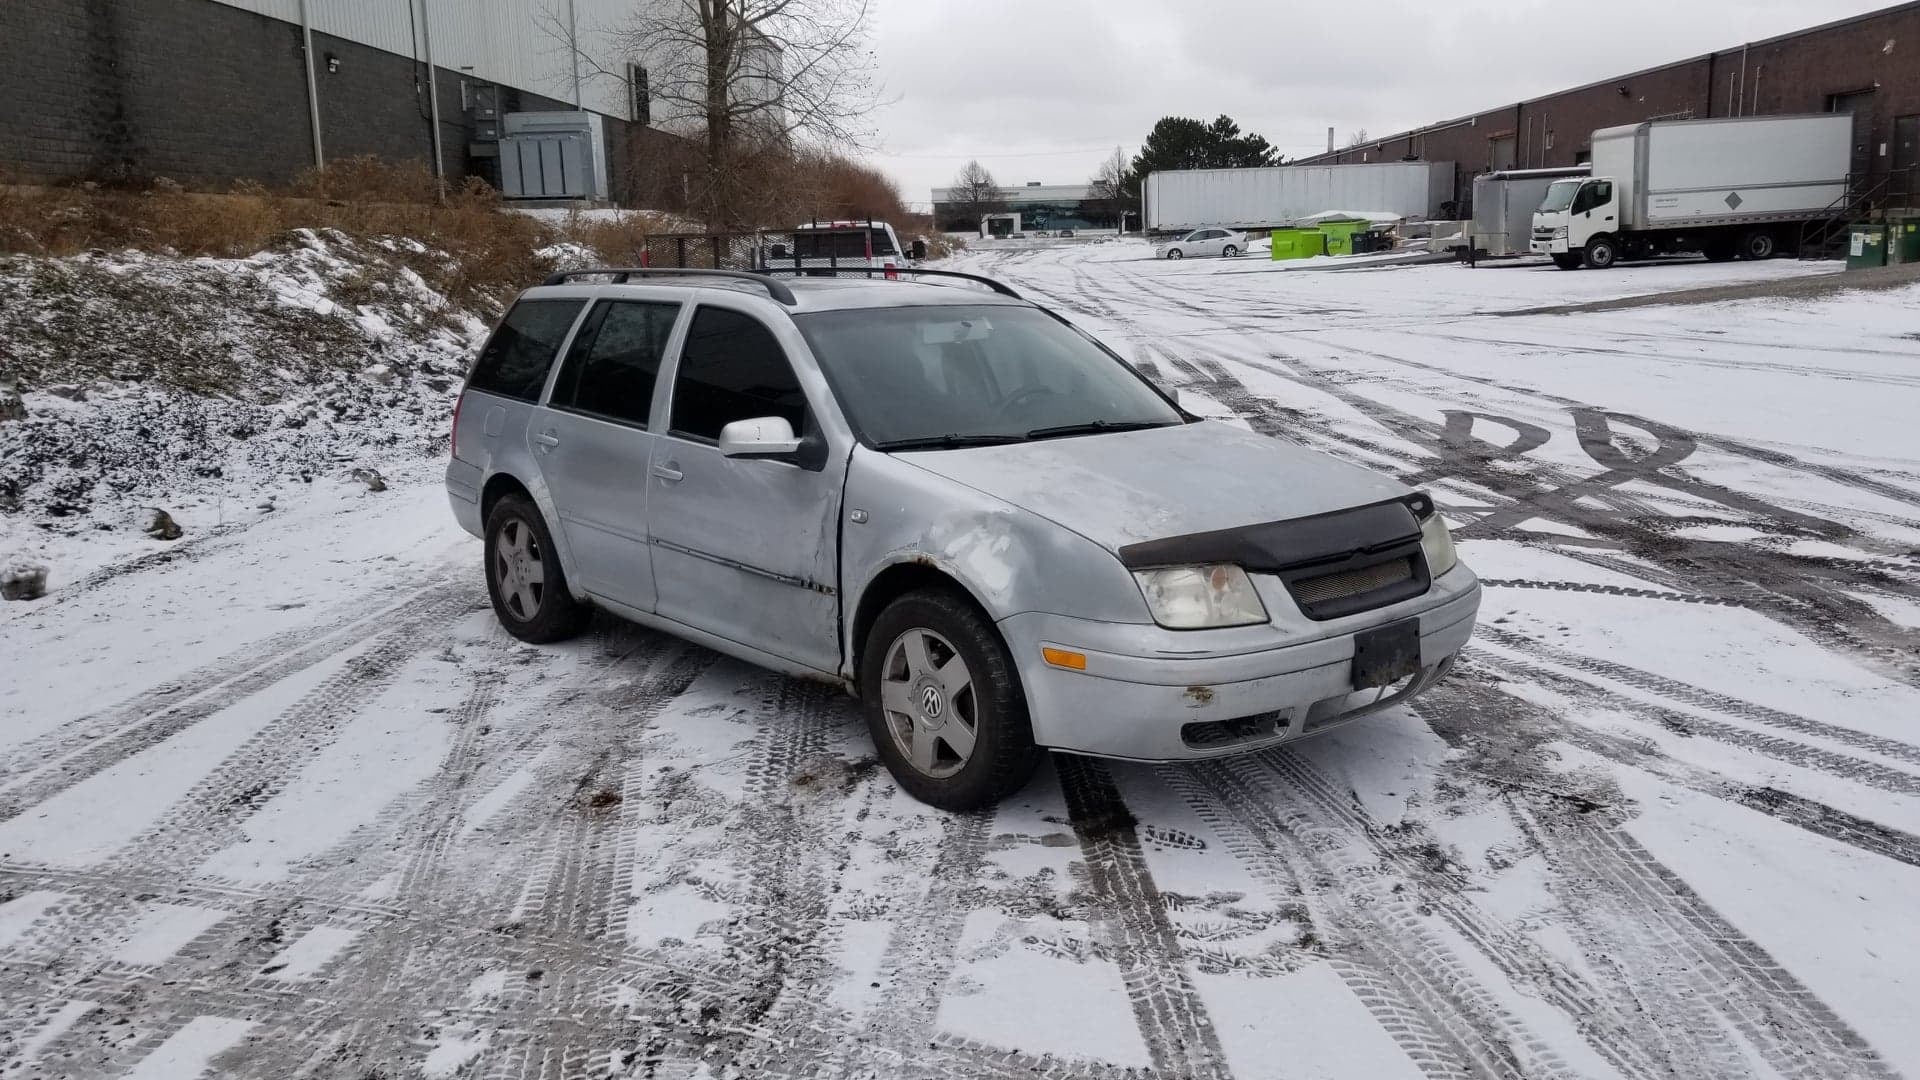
1726	188
1261	198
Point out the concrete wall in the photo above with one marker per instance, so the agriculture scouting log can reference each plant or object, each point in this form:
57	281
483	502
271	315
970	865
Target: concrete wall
206	93
1800	72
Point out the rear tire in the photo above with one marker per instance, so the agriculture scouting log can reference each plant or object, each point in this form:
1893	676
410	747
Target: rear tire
1567	260
1600	253
1758	244
524	579
972	747
1229	251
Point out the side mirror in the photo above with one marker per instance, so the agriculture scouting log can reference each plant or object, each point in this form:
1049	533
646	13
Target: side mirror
761	437
918	249
779	252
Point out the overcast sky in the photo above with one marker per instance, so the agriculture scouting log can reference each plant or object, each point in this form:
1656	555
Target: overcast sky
1044	89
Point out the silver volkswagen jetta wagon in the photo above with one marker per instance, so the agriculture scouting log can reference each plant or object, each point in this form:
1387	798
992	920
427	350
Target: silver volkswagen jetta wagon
989	527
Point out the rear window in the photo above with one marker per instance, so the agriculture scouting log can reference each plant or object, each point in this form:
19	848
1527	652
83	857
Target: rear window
516	359
841	243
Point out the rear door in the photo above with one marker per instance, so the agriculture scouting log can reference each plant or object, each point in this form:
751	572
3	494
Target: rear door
503	390
746	549
594	438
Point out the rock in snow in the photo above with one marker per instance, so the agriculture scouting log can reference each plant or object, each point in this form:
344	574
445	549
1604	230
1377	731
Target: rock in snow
161	525
11	407
23	580
371	478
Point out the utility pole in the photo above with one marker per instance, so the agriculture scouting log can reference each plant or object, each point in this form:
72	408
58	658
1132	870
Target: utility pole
433	99
313	87
573	46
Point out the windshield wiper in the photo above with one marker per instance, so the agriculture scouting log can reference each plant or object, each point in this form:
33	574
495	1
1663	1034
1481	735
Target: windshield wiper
1093	427
947	442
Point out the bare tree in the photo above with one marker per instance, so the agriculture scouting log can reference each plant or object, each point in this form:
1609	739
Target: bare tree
974	194
1358	138
1107	192
752	76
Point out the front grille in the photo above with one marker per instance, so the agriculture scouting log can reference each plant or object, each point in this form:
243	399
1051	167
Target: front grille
1318	590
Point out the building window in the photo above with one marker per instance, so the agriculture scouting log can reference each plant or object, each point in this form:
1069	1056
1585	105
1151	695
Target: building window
642	97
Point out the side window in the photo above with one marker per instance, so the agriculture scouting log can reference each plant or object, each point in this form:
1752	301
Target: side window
731	368
1592	195
615	360
515	360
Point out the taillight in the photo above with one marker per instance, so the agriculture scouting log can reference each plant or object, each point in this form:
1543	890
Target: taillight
454	438
893	272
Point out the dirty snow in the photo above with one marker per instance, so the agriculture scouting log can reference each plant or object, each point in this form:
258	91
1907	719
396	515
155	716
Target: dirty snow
287	803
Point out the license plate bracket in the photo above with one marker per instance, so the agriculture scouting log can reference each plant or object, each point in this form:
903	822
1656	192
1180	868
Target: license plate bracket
1386	654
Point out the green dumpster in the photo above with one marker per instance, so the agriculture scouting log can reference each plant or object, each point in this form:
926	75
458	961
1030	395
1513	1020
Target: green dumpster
1905	247
1340	235
1298	243
1866	246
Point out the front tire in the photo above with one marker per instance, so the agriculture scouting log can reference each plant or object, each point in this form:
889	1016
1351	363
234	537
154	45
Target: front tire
944	704
524	579
1174	253
1600	253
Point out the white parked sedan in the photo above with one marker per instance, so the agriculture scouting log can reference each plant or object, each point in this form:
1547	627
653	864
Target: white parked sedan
1223	242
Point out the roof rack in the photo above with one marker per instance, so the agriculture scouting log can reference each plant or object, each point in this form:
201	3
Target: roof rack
1000	287
620	274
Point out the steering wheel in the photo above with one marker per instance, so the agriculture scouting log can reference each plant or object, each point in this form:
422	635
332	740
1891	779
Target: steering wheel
1020	396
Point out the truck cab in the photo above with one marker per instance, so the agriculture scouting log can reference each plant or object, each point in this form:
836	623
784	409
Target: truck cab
1574	212
871	245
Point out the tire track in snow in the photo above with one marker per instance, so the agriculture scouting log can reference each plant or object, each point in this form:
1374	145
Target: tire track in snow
1130	919
45	766
1430	1008
1712	701
208	819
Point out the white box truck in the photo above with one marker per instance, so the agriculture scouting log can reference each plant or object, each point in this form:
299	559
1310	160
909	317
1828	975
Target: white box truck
1180	200
1726	188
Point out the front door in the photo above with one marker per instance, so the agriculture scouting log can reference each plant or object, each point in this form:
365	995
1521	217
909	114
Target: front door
1860	104
1906	158
593	444
746	549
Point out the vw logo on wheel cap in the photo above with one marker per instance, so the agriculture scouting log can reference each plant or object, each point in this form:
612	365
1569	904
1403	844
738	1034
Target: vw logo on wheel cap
931	703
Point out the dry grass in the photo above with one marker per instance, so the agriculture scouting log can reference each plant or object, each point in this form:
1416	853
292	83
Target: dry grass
475	250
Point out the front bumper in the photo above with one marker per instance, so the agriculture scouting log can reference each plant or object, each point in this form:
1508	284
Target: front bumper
1554	246
1161	699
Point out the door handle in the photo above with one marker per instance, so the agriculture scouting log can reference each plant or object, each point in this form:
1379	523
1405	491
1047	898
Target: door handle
547	439
668	472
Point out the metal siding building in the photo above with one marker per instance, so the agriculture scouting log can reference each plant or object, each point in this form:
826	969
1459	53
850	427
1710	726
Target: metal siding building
210	92
1867	66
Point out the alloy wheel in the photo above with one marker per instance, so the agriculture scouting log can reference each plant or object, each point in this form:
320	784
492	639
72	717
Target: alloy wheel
519	569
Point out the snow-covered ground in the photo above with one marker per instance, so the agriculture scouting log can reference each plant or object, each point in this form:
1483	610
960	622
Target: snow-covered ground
289	804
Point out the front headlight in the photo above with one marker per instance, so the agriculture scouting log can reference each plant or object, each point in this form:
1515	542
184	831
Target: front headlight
1201	597
1437	541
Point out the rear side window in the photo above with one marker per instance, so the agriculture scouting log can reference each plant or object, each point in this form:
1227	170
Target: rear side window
517	357
615	361
732	368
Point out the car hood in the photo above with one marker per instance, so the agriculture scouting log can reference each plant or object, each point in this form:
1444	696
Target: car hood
1128	487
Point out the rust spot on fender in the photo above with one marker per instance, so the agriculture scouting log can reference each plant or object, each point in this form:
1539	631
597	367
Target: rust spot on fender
1198	696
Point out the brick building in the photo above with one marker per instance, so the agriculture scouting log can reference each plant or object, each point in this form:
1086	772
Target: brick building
209	92
1868	65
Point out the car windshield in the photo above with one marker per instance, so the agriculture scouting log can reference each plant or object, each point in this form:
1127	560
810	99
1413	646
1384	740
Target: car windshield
960	375
1559	196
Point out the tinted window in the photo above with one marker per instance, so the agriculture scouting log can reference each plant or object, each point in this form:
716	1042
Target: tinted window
1592	195
615	359
516	358
841	243
731	368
